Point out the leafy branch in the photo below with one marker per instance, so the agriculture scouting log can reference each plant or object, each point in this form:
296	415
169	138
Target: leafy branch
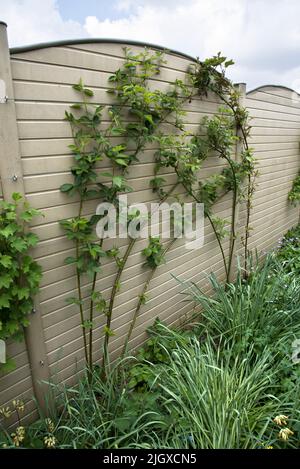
294	194
20	275
210	76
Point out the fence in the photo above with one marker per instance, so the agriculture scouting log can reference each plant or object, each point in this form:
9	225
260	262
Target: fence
35	160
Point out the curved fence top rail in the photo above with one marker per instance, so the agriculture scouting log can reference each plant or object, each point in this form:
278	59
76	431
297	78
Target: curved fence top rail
130	42
261	88
69	42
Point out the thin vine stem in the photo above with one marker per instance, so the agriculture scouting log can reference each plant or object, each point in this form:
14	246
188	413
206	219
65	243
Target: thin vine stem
233	220
249	182
219	243
116	286
78	276
117	282
191	193
141	300
91	316
93	289
115	289
140	145
248	208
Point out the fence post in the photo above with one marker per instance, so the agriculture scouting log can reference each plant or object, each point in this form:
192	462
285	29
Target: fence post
11	175
241	89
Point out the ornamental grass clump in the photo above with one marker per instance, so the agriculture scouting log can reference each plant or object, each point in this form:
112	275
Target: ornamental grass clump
231	379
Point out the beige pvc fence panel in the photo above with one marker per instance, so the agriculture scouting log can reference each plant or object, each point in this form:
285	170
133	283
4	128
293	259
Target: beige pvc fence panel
42	86
275	113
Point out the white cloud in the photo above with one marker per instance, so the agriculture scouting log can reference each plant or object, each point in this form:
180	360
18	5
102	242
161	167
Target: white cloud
31	21
262	36
129	5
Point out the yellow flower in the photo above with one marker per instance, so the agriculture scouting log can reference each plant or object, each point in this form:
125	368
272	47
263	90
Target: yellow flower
18	405
5	411
50	441
50	425
268	447
281	420
285	433
20	431
18	436
15	440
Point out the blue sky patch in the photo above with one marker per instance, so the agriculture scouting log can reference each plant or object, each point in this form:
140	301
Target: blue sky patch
78	11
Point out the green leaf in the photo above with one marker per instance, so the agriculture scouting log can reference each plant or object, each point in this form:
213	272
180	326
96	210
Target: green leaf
5	261
143	299
113	252
32	239
100	305
88	92
123	424
69	116
96	250
115	131
19	244
21	292
5	281
149	118
5	300
117	181
66	187
147	252
11	216
91	194
121	162
79	86
34	278
70	260
16	196
87	325
108	331
8	231
73	301
95	218
28	215
37	443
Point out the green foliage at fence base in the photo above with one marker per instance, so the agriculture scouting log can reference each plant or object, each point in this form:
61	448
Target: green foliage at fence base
228	381
20	275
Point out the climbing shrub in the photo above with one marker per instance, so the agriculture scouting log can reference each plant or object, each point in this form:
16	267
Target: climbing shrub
209	76
93	143
135	118
20	275
294	194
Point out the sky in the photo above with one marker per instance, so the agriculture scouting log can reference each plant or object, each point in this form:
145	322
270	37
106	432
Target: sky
261	36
